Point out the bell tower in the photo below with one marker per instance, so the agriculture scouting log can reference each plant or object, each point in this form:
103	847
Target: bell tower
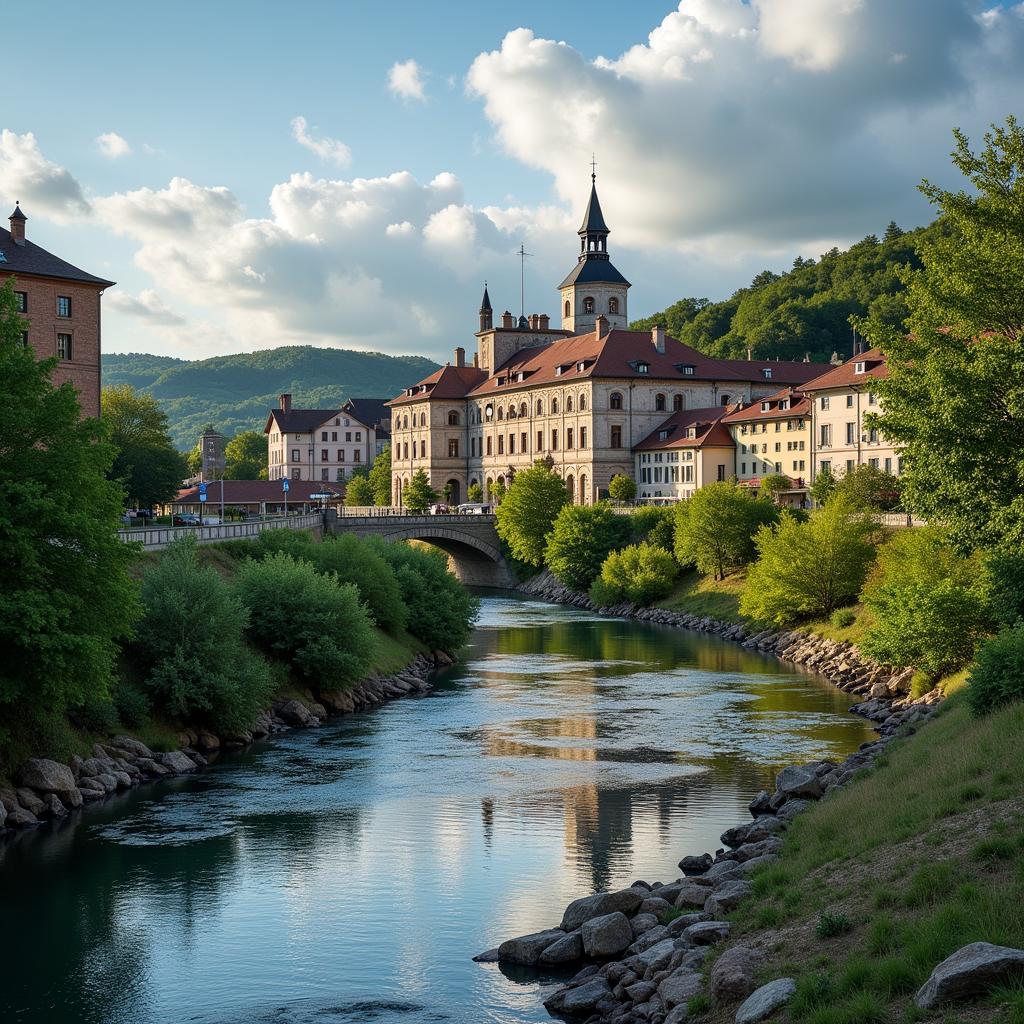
594	287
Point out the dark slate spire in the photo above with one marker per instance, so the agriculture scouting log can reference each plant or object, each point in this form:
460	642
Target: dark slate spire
486	313
593	232
18	215
485	304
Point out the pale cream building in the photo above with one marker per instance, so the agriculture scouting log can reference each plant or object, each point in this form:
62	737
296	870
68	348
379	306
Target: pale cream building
688	450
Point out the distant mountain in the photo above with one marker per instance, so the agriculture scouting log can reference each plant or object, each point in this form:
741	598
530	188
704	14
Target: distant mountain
236	392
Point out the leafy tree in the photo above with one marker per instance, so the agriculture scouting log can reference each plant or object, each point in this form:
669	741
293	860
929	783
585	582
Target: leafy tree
954	397
380	478
715	528
892	231
641	573
997	676
498	491
809	568
581	538
418	495
190	646
474	494
824	486
772	486
245	456
67	597
622	487
528	510
928	602
673	318
1005	584
655	525
871	487
194	460
317	626
147	463
359	492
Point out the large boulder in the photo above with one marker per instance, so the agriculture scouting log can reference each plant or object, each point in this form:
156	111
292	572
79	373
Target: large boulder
798	780
45	776
294	712
762	1003
133	746
177	761
655	905
727	896
582	999
31	801
707	933
657	958
971	971
692	897
566	950
606	936
680	987
753	831
625	900
732	976
526	949
696	865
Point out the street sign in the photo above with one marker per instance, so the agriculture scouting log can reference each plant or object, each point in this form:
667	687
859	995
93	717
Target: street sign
323	496
284	484
202	495
202	490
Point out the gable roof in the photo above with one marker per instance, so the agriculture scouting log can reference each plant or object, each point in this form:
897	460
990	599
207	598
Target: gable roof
799	405
371	412
299	421
29	258
247	492
846	375
674	432
448	382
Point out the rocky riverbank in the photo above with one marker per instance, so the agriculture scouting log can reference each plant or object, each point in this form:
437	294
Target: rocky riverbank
47	790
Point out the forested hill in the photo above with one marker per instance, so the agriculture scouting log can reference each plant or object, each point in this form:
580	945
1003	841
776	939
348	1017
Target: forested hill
235	392
805	310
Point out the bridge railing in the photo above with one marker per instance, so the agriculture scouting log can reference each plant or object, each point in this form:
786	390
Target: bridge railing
156	537
426	519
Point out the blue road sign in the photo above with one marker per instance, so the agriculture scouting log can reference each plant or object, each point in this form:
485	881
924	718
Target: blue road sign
202	488
284	484
202	495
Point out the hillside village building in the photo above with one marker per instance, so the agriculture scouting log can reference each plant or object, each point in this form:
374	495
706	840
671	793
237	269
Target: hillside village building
582	396
61	305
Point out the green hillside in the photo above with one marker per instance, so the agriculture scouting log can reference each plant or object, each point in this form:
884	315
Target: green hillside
235	392
806	309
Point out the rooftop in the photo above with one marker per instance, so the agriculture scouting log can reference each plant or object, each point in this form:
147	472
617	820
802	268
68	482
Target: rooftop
706	424
798	405
872	366
25	257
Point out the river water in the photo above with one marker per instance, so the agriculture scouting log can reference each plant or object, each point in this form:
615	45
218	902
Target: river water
348	873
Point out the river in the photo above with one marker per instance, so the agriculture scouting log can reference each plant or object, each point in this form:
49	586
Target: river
349	873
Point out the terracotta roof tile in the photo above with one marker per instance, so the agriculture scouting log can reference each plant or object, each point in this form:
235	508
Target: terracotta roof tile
709	432
847	376
800	405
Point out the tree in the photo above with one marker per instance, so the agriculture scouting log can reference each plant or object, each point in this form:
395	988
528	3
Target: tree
527	513
194	460
954	397
641	573
418	495
67	597
715	528
871	487
772	486
622	487
245	456
809	568
581	538
929	604
892	231
824	486
147	463
498	491
359	492
474	494
380	478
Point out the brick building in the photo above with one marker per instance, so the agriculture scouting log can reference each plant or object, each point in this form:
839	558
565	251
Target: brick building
62	310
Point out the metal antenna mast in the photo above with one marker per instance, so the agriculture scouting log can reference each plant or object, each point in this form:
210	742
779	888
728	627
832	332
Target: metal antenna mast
522	254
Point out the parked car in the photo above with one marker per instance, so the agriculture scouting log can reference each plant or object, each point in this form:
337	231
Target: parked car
184	519
474	508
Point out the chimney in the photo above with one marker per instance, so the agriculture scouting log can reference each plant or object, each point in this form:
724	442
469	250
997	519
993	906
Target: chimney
835	360
601	326
543	321
17	220
534	322
476	360
658	338
460	356
286	403
508	321
750	354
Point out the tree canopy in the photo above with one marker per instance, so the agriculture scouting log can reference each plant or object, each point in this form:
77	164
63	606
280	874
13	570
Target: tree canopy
528	509
245	456
380	478
418	495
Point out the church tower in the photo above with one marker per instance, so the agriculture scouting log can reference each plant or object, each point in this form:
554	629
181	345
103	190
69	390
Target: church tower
594	288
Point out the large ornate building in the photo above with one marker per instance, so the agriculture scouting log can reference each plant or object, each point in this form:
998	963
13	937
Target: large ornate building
583	395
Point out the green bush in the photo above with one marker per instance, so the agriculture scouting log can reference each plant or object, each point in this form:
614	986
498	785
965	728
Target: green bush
317	626
641	573
1006	586
133	706
298	543
654	524
354	560
811	568
997	676
581	539
929	604
622	488
440	609
190	647
843	617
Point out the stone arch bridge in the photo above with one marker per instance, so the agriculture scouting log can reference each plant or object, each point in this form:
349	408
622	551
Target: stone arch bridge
470	541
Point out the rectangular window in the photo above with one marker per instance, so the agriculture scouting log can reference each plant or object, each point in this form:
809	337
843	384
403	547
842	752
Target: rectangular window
323	435
873	436
540	441
341	474
826	465
851	433
357	455
488	446
334	435
568	437
743	468
554	440
63	346
348	435
64	305
325	474
453	449
824	401
24	339
873	463
296	455
657	474
616	436
871	399
826	435
849	465
721	473
22	300
523	442
583	437
296	473
888	465
849	401
341	454
778	446
359	435
501	444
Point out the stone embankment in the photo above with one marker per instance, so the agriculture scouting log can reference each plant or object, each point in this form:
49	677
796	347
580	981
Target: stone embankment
48	790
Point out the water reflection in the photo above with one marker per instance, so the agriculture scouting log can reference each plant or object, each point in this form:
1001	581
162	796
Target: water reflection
349	873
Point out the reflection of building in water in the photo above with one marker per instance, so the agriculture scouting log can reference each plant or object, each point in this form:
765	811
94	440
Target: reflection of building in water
576	727
598	830
487	814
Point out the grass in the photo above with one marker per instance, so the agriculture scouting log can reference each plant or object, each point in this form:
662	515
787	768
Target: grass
702	595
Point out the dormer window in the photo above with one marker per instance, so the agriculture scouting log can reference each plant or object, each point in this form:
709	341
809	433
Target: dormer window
688	371
767	373
558	371
643	367
692	432
663	435
858	367
580	367
765	406
784	404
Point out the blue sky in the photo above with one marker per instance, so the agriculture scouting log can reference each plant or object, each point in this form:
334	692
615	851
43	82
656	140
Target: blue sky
729	137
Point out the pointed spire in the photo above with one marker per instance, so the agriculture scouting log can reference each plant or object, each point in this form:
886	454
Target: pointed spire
593	219
486	313
18	215
485	303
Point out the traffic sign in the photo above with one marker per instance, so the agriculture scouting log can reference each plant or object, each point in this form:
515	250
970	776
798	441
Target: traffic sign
202	495
284	484
202	489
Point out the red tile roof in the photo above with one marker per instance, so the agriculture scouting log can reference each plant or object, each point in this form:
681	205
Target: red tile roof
799	405
448	382
846	376
249	492
708	431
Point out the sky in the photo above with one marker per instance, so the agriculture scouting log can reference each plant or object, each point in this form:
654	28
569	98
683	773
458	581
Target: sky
349	173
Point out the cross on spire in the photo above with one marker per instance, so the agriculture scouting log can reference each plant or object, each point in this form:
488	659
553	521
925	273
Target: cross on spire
593	167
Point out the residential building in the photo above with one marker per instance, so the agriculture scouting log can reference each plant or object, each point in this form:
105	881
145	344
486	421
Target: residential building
61	305
375	415
255	497
772	435
326	445
842	399
580	396
688	450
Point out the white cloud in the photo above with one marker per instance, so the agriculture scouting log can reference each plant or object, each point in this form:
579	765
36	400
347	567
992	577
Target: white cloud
146	306
405	80
43	187
331	150
113	146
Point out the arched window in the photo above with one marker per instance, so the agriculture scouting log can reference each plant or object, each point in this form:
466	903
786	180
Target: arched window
568	403
659	403
489	412
501	413
569	488
423	419
725	399
522	410
511	412
584	497
554	406
540	407
677	402
405	422
568	308
615	400
583	402
588	305
423	449
453	419
613	305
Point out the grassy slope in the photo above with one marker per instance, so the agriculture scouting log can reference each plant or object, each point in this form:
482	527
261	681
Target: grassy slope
922	855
